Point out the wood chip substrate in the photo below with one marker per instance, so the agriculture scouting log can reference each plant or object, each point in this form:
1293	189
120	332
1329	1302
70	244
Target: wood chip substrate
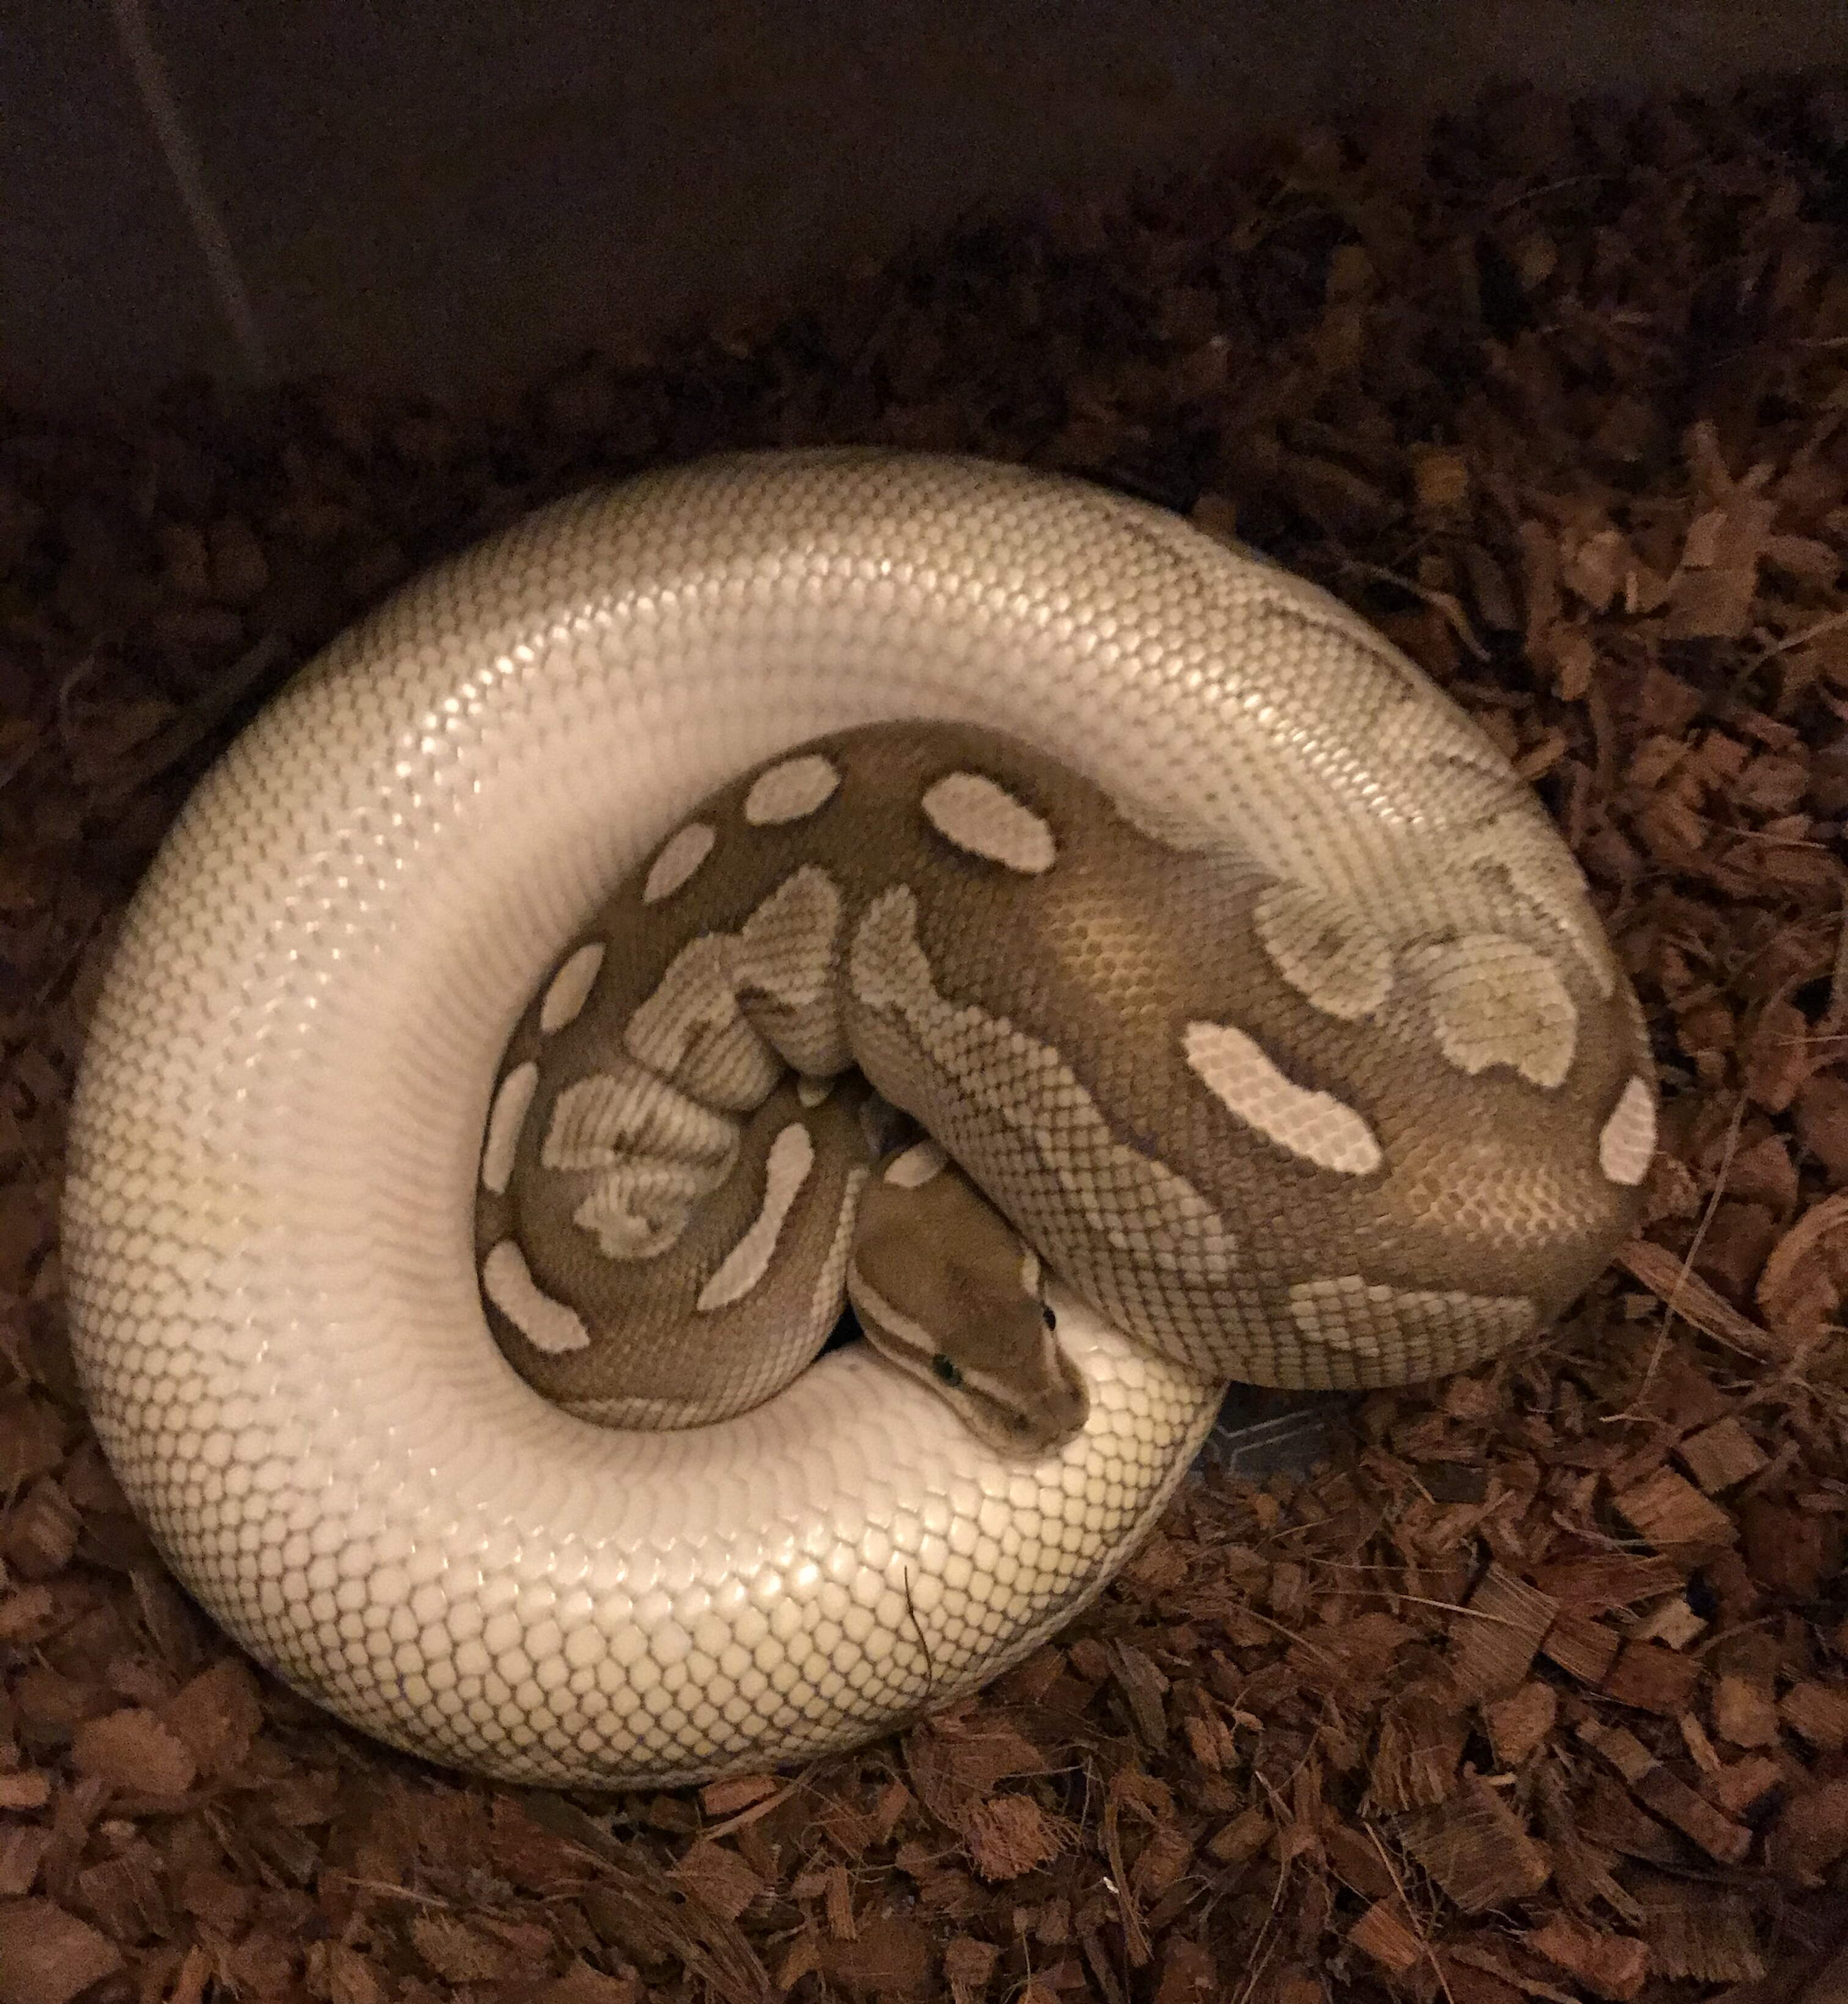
1537	1687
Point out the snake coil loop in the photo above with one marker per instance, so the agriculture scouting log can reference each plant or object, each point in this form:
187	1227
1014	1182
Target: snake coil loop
1429	1066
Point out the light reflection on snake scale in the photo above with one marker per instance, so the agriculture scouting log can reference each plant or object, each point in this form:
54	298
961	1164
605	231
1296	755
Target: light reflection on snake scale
278	1129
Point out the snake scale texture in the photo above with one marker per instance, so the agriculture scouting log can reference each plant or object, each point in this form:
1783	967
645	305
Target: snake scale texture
1230	960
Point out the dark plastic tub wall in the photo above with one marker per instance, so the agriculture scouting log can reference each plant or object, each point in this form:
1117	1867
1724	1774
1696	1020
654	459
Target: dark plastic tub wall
446	193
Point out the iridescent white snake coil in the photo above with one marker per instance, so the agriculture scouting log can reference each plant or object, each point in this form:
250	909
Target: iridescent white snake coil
279	1123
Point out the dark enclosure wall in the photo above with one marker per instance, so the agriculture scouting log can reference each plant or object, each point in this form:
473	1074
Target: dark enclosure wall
445	194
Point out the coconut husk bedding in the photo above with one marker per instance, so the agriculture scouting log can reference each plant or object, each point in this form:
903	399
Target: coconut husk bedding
1536	1686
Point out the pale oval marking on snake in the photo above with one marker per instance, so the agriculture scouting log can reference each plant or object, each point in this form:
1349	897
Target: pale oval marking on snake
1522	849
659	1150
512	1099
1325	950
971	810
546	1324
786	946
1627	1143
597	1120
785	1169
691	1030
918	1164
1494	1001
570	988
790	790
1234	1067
681	855
830	1275
639	1210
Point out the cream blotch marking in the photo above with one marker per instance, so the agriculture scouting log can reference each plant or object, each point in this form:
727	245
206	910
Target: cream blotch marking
681	855
657	1124
792	789
1628	1143
785	955
786	947
1314	1125
640	1209
570	988
971	810
918	1164
547	1325
1494	1000
1521	849
830	1279
630	1111
1325	950
513	1097
691	1031
785	1169
661	1153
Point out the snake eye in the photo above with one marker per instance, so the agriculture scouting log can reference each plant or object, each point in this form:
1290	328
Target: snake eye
1046	1316
943	1370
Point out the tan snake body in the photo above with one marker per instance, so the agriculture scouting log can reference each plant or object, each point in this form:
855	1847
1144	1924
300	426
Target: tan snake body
1233	964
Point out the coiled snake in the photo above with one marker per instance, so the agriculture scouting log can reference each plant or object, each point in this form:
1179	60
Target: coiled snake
1231	960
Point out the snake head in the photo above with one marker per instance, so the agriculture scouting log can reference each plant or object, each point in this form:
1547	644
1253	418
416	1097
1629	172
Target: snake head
945	1289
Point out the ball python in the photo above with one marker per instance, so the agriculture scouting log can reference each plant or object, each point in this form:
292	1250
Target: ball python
487	1013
